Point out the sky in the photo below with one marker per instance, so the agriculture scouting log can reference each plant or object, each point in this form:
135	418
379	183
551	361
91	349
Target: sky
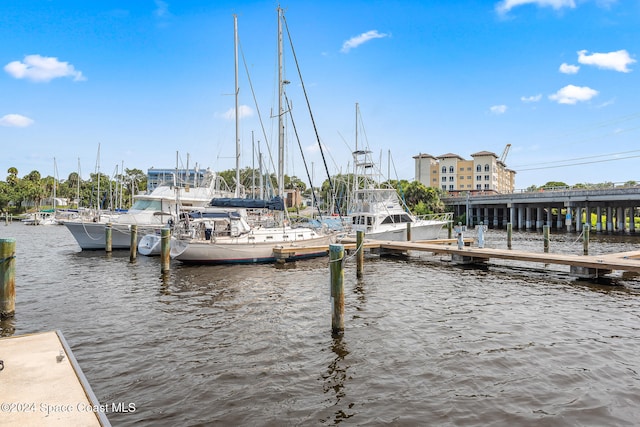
112	84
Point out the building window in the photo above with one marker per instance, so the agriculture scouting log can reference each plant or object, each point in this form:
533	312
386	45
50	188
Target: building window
444	169
451	169
468	176
486	186
462	177
478	168
444	187
451	188
451	178
486	168
444	179
487	177
478	186
479	178
461	169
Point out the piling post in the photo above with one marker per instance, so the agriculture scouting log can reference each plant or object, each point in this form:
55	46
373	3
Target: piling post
585	239
108	233
481	231
7	277
133	247
165	250
459	235
509	234
545	234
408	232
449	229
336	256
359	254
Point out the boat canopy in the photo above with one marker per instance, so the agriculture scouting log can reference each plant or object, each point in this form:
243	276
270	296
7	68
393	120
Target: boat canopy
275	204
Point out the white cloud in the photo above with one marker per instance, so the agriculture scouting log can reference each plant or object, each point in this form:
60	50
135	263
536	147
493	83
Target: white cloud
569	69
498	109
571	94
42	69
356	41
245	111
533	98
15	120
617	61
162	8
506	5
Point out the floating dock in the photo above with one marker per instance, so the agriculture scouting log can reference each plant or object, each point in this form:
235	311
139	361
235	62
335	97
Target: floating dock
42	384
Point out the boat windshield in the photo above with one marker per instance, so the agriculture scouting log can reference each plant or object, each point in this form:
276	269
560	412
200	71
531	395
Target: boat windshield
147	205
395	219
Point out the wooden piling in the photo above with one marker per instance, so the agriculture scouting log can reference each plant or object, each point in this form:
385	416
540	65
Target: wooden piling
359	254
133	247
7	277
545	234
108	233
585	239
449	229
336	256
509	234
165	250
408	232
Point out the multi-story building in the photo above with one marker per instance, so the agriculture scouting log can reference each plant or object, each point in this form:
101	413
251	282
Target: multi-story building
454	174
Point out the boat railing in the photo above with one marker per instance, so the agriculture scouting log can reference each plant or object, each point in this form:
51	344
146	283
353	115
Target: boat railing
442	216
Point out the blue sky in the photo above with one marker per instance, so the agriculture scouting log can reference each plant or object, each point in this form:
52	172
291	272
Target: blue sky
143	80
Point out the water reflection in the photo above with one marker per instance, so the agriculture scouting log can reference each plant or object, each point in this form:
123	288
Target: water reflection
335	380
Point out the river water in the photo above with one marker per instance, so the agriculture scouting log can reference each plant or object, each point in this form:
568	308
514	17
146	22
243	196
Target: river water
425	342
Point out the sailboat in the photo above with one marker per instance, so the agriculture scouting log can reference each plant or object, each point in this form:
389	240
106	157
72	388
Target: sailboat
378	210
229	233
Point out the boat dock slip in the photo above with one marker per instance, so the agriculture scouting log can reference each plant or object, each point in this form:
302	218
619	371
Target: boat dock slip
42	384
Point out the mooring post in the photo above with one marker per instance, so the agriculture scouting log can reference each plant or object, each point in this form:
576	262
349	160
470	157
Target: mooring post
449	229
107	237
509	233
7	277
408	232
359	254
585	239
336	256
133	247
165	248
459	235
481	231
545	234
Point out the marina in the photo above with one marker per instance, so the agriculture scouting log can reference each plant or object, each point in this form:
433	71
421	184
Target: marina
425	340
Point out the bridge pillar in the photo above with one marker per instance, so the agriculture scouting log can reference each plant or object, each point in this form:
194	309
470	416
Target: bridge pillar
609	219
549	217
520	218
632	219
568	218
496	218
528	218
539	218
578	219
620	219
485	218
559	219
598	218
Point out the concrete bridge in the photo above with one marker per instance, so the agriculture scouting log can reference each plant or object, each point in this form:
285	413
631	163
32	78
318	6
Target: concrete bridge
614	209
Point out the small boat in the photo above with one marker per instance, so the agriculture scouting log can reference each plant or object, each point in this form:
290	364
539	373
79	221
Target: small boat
150	244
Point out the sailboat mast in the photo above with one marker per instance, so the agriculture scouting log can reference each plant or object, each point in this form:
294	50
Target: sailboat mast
280	110
235	46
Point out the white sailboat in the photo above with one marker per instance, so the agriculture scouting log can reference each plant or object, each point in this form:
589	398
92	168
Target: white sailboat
227	234
379	211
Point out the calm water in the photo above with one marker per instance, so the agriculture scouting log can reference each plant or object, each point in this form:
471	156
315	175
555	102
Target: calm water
425	342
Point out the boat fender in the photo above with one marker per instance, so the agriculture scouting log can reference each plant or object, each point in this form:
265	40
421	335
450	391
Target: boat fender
1	365
170	222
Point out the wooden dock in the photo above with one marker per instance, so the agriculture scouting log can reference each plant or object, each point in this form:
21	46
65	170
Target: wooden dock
42	384
581	265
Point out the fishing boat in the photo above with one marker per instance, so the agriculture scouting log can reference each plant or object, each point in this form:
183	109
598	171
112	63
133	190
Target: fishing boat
149	212
378	210
233	233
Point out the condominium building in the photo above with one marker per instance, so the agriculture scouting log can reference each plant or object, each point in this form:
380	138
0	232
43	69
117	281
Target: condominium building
454	174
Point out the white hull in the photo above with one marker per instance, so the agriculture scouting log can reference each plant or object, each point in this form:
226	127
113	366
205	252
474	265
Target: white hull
250	248
92	235
420	230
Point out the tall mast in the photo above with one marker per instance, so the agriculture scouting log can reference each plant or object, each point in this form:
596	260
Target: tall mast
280	111
235	44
